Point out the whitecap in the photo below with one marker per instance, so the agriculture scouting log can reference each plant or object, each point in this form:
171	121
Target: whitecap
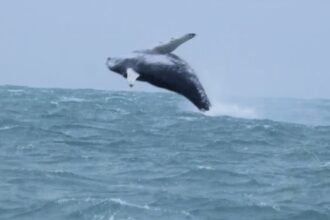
125	203
7	127
16	90
71	99
202	167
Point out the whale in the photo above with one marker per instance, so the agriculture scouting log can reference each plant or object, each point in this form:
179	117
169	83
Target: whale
162	68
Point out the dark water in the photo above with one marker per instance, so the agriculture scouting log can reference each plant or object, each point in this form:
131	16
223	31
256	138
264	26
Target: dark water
86	154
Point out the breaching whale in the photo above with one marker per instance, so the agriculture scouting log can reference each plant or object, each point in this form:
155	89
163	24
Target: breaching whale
161	68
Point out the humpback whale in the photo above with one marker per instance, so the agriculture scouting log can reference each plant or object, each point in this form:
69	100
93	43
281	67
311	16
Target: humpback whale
162	68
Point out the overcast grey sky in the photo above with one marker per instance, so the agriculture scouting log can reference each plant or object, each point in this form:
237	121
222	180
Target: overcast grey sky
250	48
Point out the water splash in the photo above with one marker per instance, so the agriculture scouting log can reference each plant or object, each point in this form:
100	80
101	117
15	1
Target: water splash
234	110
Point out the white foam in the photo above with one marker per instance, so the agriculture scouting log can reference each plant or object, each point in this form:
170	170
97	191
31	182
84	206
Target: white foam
71	99
16	90
112	217
7	127
202	167
326	164
234	110
125	203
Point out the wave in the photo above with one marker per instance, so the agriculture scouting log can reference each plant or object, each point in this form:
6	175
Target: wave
95	208
71	99
8	127
311	112
82	154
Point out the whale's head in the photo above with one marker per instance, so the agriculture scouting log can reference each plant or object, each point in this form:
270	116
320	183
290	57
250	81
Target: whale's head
120	65
116	65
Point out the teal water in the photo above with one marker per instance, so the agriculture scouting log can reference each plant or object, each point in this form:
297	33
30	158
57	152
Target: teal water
88	154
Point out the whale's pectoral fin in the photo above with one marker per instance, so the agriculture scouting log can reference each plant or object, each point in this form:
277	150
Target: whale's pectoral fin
172	45
132	76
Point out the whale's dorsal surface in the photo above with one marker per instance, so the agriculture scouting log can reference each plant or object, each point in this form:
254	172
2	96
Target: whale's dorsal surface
170	46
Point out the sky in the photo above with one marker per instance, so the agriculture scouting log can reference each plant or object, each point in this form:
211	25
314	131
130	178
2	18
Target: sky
262	48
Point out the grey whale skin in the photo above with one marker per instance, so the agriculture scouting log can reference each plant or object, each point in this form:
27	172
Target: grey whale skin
161	68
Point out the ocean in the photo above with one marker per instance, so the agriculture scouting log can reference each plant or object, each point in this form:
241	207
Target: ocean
111	155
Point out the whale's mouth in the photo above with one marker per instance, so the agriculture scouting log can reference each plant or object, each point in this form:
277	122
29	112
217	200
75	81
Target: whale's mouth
110	62
113	63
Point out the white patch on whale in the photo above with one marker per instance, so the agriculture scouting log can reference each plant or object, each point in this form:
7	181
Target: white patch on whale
156	59
131	76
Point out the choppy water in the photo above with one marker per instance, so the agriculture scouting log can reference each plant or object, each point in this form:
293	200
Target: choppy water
86	154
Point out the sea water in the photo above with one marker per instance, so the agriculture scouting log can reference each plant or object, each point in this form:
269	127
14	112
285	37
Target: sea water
89	154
